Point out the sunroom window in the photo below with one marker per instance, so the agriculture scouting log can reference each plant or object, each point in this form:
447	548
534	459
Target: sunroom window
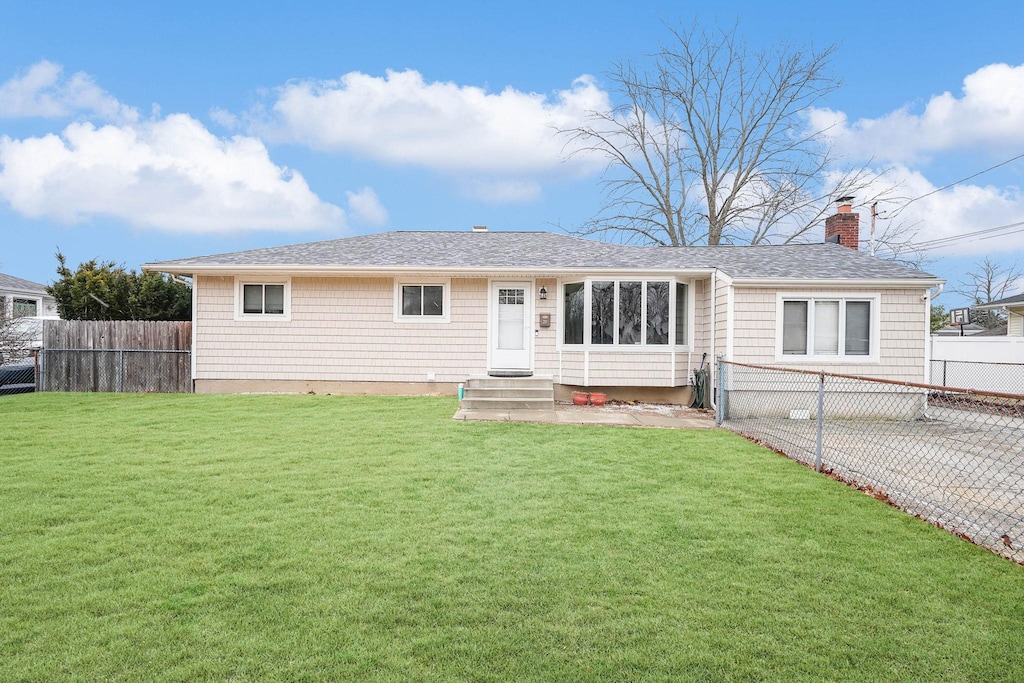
624	312
573	310
682	315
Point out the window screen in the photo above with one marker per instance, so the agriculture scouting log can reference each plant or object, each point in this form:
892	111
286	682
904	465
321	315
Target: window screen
858	328
794	328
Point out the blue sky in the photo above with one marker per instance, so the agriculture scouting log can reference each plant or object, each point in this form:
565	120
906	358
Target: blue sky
136	132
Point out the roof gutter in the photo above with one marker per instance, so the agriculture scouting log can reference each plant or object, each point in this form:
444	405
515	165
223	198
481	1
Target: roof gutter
858	282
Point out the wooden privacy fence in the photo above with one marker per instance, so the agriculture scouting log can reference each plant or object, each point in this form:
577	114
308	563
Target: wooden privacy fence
116	355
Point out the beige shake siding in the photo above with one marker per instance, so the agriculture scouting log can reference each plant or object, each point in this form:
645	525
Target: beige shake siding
341	329
630	369
1014	324
903	317
701	317
545	349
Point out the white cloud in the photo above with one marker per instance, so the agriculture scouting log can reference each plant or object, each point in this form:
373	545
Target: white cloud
956	211
503	191
170	174
365	207
44	91
989	114
402	119
224	118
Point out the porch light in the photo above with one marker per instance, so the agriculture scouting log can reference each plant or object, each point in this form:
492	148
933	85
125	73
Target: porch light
543	293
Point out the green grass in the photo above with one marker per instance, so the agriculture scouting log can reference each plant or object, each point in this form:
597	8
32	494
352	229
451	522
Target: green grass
147	537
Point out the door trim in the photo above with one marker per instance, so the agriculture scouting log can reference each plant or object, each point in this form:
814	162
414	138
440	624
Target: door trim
492	319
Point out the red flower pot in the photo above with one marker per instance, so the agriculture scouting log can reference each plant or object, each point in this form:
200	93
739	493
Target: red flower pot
598	399
580	398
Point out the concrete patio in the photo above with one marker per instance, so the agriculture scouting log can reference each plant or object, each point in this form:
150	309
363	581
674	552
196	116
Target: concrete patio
665	417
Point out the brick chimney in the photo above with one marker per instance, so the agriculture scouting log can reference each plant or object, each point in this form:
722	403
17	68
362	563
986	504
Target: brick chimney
843	227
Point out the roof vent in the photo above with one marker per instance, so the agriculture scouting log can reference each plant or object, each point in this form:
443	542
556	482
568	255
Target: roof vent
479	228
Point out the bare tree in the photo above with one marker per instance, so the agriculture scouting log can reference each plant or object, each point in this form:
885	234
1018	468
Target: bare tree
712	146
989	281
16	337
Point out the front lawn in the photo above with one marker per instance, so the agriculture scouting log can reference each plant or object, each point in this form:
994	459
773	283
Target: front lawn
147	537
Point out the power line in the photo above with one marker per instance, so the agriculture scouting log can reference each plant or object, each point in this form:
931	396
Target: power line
956	182
977	236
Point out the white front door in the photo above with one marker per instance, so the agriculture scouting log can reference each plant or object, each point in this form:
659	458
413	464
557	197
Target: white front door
511	325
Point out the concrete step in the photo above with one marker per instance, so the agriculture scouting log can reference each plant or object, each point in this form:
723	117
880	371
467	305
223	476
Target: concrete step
508	382
506	404
509	393
530	393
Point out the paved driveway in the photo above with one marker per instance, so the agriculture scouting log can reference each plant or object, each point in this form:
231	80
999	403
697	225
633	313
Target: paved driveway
961	469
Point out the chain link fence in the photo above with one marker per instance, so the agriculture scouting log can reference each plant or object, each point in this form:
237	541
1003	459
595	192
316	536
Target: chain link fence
951	456
115	370
980	376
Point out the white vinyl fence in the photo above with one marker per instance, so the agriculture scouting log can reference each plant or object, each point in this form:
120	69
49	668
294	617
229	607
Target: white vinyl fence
982	363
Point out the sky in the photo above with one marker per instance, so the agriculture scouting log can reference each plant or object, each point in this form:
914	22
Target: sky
138	132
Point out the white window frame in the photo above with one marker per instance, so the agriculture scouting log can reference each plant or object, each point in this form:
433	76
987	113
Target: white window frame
14	298
240	313
446	301
588	344
874	298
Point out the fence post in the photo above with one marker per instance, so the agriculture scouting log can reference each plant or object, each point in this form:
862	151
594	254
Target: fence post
943	374
821	420
720	403
120	371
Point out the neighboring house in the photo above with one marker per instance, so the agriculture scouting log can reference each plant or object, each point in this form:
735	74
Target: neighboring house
1014	306
22	298
968	330
419	312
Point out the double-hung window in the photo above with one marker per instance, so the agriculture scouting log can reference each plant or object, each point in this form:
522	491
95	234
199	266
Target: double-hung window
827	327
651	313
263	300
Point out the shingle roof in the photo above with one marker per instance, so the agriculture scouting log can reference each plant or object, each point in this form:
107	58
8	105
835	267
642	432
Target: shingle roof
16	283
545	251
1016	299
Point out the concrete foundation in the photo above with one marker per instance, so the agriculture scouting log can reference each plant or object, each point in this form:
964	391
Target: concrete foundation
563	392
674	395
280	386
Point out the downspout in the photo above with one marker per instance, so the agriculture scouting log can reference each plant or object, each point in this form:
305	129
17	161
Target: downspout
712	370
928	299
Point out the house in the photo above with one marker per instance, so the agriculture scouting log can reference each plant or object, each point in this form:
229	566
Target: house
420	312
22	298
1014	306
